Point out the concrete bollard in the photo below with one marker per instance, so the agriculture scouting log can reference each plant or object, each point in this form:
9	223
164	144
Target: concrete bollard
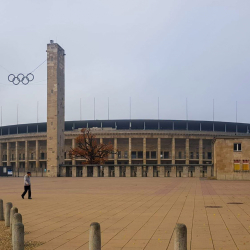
8	206
180	240
13	211
1	210
17	218
18	236
95	236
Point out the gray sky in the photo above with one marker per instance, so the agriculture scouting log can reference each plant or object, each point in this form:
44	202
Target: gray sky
143	49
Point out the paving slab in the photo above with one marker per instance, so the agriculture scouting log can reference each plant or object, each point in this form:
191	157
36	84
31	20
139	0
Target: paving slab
134	213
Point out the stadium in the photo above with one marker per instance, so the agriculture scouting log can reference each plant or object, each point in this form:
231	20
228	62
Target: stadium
146	148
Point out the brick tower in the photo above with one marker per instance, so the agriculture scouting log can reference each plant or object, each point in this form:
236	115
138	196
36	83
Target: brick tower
55	108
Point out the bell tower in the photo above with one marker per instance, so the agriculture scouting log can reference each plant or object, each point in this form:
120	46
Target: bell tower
55	107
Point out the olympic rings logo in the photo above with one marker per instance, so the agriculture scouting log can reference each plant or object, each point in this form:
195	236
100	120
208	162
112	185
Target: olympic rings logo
21	78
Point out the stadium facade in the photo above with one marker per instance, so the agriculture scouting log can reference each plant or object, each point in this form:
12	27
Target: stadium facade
146	148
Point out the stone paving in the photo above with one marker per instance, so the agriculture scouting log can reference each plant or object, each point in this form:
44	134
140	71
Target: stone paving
134	213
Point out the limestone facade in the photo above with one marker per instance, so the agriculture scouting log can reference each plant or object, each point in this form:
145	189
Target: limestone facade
231	158
140	153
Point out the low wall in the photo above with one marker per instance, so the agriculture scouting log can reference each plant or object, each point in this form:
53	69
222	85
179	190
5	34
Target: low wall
234	176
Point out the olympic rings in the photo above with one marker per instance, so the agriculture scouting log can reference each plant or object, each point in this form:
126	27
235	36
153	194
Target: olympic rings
21	78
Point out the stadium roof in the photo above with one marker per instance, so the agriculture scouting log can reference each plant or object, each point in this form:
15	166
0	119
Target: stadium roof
133	125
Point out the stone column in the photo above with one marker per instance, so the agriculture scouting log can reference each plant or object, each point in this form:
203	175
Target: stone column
37	154
209	171
159	151
173	150
144	146
73	160
173	168
84	171
185	171
106	171
197	171
144	171
200	151
162	171
73	146
55	108
187	151
139	171
95	171
63	172
173	171
129	151
73	171
8	153
26	156
101	142
1	155
17	158
115	150
117	171
128	171
150	171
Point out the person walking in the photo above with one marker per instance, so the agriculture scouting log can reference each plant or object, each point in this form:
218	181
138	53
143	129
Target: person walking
27	186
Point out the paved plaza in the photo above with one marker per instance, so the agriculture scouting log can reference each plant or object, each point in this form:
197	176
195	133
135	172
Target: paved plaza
134	213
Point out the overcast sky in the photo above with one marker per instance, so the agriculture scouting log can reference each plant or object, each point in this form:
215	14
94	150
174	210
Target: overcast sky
143	49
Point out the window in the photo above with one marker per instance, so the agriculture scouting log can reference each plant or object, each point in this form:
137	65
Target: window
133	154
42	156
209	155
237	146
23	156
166	155
32	156
203	155
125	154
20	156
197	155
179	155
65	155
147	154
153	154
191	155
12	157
140	154
119	154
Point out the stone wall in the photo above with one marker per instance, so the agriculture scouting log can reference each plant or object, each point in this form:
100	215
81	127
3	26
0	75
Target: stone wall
225	157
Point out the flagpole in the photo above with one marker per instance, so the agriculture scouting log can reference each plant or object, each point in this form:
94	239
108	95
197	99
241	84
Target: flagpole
94	108
158	108
80	109
108	108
